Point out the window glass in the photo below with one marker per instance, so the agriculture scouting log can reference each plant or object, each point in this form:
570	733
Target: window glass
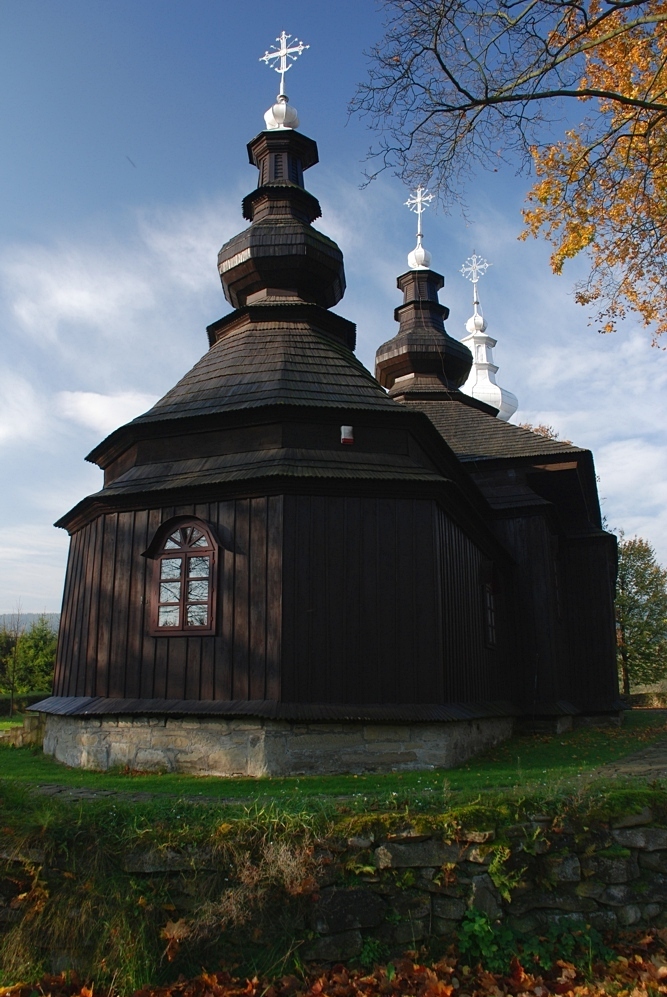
184	589
197	616
197	591
198	567
170	567
168	616
170	591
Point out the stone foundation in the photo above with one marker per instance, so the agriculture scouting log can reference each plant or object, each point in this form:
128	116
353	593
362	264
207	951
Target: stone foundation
249	747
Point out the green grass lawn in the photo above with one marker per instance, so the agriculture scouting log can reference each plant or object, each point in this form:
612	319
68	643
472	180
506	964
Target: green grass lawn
6	723
538	762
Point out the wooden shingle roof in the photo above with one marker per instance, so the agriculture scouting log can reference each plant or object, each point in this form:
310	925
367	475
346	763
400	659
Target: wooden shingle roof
476	435
289	462
268	363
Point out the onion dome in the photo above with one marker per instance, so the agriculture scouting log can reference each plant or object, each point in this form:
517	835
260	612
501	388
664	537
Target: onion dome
281	255
481	382
419	258
281	115
421	360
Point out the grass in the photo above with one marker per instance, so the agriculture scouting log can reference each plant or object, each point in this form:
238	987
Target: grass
537	761
7	723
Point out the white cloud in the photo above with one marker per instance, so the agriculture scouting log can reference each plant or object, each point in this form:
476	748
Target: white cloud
21	410
33	558
633	483
185	242
103	413
117	312
51	288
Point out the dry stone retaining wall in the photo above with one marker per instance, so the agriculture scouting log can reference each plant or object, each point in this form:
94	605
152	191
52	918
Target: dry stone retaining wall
399	890
534	875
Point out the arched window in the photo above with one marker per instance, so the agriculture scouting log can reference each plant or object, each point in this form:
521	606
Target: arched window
184	582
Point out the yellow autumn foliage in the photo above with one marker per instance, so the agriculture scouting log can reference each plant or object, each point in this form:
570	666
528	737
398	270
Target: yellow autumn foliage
603	188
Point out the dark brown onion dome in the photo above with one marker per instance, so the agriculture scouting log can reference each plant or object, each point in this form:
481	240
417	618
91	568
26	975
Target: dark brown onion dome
281	253
421	359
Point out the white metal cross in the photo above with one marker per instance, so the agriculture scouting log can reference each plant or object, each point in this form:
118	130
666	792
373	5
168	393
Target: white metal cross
287	54
419	202
475	267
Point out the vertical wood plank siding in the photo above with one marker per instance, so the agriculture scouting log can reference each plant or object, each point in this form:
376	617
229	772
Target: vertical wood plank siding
537	635
473	668
382	603
588	566
104	648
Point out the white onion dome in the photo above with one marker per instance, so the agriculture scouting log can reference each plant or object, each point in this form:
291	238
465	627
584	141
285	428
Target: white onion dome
419	258
281	115
481	383
476	323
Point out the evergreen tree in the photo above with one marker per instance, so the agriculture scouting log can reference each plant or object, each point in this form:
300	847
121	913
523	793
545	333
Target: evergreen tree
27	658
36	657
641	614
7	644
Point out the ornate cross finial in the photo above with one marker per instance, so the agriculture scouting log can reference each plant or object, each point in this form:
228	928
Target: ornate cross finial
419	202
474	268
287	54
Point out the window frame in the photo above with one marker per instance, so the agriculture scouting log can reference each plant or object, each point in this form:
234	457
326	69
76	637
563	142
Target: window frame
489	599
159	553
490	610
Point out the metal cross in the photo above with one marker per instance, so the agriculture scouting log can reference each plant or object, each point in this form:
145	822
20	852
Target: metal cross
284	53
475	267
419	202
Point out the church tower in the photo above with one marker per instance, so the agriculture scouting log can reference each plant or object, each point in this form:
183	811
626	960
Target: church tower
422	361
481	382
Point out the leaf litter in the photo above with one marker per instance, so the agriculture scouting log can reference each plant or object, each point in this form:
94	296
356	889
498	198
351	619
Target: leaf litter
638	969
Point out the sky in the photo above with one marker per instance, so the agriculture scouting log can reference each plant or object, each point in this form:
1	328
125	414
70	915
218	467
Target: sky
123	128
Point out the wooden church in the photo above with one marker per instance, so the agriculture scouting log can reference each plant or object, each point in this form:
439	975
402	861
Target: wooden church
296	567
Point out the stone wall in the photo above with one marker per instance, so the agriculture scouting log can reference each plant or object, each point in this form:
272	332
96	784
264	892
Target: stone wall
535	874
30	732
392	892
249	747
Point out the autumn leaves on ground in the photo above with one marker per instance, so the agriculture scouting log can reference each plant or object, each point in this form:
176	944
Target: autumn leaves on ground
640	967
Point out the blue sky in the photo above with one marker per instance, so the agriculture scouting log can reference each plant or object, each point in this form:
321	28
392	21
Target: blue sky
122	168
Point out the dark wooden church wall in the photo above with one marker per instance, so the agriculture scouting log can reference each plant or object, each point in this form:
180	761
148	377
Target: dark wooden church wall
383	603
473	669
537	666
588	571
361	621
104	647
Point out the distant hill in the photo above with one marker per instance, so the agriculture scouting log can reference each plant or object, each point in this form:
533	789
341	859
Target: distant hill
8	619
